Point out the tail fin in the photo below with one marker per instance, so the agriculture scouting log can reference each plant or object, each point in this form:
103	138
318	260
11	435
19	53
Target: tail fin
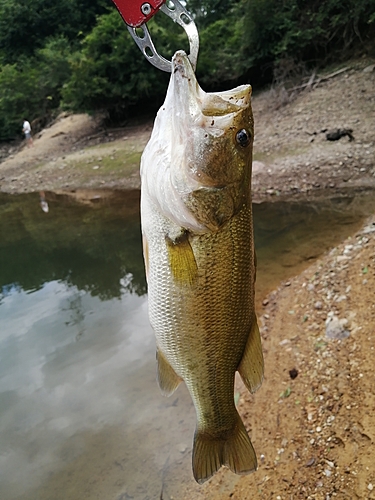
233	449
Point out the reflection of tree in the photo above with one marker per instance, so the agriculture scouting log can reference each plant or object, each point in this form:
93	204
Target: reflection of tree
91	247
97	248
8	290
77	315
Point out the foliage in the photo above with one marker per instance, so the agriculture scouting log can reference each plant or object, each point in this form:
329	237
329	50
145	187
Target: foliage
305	31
31	88
207	12
53	65
18	97
81	52
109	73
223	40
220	58
25	25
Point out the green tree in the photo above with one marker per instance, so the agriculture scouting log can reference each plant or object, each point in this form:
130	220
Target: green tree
31	87
305	31
53	65
207	12
110	73
223	39
18	97
25	25
81	50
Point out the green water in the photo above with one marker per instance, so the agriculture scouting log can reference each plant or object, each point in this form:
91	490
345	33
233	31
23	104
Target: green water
80	413
90	247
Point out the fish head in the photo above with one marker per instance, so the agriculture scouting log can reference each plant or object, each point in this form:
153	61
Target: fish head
213	132
196	168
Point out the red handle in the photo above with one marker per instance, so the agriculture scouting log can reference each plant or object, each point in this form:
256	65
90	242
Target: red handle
137	12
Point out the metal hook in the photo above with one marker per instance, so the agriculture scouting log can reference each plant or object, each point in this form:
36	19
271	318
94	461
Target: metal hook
136	20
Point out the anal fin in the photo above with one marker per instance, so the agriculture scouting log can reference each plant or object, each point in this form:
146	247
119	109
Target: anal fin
167	378
251	367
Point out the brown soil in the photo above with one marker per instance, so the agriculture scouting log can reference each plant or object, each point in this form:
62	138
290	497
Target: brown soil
291	154
313	421
76	153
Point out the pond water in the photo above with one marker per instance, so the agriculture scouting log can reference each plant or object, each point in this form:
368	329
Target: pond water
81	415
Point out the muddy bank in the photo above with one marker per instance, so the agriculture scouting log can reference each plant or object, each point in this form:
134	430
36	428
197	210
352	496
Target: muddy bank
312	422
292	156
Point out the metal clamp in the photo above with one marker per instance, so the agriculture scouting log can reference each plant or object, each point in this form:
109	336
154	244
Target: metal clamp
139	12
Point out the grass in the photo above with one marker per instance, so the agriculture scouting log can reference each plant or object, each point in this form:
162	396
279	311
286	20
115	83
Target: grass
103	162
119	164
282	152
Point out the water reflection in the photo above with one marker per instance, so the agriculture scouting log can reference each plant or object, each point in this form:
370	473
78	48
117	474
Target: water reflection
92	247
80	413
290	235
73	368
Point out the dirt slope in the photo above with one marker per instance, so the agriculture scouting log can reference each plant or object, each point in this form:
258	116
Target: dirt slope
295	156
292	155
312	422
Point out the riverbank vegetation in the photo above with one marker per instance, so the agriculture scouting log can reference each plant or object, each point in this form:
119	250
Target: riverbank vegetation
77	54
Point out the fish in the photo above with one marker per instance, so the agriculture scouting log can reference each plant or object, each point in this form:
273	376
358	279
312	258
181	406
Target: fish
198	246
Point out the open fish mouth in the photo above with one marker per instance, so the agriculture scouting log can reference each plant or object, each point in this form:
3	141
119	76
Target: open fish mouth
189	96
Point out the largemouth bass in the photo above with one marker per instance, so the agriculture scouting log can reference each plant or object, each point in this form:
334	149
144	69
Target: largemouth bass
200	260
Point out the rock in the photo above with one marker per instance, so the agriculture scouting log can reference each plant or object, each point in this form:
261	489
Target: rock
293	373
258	166
182	447
341	258
369	229
341	298
336	134
369	69
335	328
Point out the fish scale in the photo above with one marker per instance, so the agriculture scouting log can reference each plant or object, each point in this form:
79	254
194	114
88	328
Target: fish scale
200	261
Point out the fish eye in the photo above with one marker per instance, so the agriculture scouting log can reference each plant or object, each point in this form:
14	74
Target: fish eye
243	137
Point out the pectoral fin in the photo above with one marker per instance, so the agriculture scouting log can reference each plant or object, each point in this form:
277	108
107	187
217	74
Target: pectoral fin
145	254
181	259
168	380
251	367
